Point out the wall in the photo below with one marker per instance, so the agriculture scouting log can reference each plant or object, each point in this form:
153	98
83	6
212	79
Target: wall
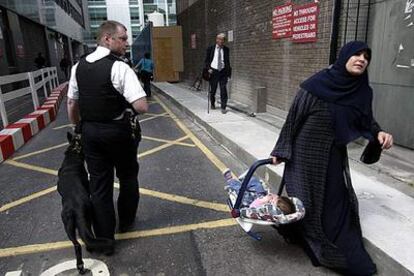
280	65
391	36
257	59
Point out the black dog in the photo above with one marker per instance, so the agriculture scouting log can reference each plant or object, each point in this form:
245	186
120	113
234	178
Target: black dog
73	186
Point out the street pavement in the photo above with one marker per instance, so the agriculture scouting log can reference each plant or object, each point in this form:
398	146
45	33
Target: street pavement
183	226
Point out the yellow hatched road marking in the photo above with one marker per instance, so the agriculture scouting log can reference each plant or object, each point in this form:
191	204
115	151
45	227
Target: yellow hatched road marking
167	141
170	230
65	144
31	167
63	126
182	199
210	155
185	200
165	196
166	145
156	114
36	248
154	117
27	199
40	151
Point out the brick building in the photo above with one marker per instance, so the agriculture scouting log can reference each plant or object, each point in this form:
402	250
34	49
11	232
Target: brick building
280	65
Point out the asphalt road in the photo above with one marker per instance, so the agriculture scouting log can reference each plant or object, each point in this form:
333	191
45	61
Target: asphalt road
183	226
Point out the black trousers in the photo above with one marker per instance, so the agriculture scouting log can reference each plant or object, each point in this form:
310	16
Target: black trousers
146	79
219	77
108	146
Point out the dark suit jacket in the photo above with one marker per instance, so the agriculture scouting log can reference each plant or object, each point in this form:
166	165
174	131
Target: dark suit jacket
226	57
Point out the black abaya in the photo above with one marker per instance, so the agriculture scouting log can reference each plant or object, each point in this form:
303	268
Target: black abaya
317	172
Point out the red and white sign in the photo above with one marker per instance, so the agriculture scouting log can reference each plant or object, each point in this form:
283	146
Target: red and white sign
282	21
304	23
193	41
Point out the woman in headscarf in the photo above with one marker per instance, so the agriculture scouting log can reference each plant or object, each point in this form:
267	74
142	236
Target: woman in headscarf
331	109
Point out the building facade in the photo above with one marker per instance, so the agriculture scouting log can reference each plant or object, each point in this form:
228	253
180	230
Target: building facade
132	13
54	28
263	55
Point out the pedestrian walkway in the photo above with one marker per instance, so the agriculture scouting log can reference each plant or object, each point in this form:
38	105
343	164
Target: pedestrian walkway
386	201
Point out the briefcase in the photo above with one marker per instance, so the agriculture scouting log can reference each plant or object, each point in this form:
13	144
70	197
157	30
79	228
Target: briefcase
206	75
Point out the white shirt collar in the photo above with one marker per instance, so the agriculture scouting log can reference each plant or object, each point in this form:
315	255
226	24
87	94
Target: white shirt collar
99	53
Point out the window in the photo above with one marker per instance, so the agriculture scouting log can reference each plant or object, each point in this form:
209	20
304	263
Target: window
134	11
97	14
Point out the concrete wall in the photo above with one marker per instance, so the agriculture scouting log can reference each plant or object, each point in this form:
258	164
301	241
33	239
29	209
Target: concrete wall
391	36
257	59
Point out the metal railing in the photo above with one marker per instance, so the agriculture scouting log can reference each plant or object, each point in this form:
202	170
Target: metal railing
37	80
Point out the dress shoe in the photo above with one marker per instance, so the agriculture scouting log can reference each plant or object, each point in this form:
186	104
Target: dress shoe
125	227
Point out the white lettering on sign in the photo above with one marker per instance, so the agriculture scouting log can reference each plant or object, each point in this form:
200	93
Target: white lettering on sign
304	35
282	10
301	28
299	20
305	21
307	10
282	21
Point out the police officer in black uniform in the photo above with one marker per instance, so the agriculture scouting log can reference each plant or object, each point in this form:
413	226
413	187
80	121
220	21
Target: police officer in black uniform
101	88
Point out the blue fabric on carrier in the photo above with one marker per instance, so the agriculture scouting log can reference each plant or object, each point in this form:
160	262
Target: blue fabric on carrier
254	189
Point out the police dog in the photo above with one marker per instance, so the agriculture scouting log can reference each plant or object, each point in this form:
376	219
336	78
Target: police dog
73	186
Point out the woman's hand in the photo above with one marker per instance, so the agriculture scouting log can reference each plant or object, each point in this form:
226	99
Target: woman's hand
385	139
275	161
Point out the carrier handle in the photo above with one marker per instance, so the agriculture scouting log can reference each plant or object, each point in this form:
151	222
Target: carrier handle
246	180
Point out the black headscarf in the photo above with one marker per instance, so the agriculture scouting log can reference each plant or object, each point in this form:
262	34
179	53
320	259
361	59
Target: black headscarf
349	97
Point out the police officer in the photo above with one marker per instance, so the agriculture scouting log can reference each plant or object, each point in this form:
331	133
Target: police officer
101	87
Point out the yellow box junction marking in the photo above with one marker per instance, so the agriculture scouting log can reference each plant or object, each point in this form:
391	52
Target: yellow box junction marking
35	248
27	199
165	196
62	126
31	167
210	155
183	200
167	141
170	142
166	145
170	230
154	117
40	151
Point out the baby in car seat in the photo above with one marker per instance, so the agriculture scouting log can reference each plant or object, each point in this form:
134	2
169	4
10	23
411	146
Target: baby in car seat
261	205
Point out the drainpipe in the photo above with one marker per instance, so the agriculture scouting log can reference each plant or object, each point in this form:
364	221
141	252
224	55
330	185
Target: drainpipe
336	15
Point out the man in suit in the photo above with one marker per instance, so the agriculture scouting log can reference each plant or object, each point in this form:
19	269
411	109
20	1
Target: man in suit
218	64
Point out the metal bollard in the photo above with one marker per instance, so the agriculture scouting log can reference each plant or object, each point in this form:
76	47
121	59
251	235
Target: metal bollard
259	100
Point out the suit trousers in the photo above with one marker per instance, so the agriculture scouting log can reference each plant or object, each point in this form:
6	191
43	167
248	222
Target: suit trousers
146	79
107	146
219	77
